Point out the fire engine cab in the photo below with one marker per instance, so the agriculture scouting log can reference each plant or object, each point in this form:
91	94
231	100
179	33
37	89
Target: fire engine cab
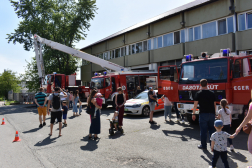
229	77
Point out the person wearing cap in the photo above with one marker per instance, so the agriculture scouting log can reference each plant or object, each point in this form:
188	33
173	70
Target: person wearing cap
152	102
219	144
207	106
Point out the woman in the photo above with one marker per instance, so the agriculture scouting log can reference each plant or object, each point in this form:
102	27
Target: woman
138	90
167	107
120	100
75	100
244	122
95	126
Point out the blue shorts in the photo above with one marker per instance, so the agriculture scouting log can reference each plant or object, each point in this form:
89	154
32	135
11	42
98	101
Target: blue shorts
64	116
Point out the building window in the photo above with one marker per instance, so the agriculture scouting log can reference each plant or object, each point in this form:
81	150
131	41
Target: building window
130	49
197	33
209	30
155	43
138	47
112	54
230	24
249	20
241	22
117	53
168	39
133	49
182	36
222	28
145	46
176	37
100	56
160	42
105	56
149	44
190	34
123	51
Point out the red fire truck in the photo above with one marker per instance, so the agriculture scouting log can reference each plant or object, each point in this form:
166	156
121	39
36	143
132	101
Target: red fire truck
106	83
228	77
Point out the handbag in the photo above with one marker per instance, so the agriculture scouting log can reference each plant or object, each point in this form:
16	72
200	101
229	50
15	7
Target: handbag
90	110
247	127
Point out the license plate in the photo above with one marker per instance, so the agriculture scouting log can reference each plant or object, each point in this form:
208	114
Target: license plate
125	109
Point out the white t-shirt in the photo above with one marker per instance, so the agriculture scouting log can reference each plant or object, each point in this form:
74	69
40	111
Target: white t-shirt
62	98
51	98
224	117
167	102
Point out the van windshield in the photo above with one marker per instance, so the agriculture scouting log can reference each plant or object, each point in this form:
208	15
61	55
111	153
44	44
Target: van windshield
215	71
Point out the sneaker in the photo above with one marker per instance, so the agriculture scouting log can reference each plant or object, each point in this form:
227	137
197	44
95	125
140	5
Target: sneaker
44	123
231	147
40	126
183	121
201	147
178	120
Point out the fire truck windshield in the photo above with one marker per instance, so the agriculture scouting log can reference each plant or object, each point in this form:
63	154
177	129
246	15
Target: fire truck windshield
215	71
97	83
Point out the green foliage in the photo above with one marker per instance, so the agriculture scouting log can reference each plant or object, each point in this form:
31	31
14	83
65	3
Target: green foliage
62	21
8	81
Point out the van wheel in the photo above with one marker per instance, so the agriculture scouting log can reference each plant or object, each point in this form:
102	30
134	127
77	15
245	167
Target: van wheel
146	111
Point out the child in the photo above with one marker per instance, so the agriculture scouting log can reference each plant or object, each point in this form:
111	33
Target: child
226	117
219	143
115	119
64	109
167	107
99	102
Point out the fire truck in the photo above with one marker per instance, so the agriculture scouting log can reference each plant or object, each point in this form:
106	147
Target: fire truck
107	82
228	77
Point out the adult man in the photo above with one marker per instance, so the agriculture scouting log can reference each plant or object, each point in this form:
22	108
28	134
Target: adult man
206	100
40	100
55	100
152	103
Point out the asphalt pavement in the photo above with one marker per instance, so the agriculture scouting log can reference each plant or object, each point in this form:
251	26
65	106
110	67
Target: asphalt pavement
171	144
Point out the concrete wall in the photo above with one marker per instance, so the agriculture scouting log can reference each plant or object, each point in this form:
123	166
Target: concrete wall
137	59
243	5
211	45
98	48
119	61
136	35
115	42
165	26
207	13
86	73
96	68
167	53
243	40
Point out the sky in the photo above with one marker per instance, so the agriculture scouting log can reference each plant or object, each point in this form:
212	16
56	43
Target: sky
112	16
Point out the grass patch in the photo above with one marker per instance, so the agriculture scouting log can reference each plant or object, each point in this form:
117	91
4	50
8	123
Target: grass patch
7	103
1	99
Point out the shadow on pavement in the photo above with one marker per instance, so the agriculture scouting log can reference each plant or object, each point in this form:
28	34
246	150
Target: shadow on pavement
32	130
154	126
219	163
91	144
116	135
48	140
185	135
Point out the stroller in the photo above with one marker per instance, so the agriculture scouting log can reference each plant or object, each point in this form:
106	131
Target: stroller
112	128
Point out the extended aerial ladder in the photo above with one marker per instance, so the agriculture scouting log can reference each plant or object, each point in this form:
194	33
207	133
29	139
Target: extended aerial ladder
57	46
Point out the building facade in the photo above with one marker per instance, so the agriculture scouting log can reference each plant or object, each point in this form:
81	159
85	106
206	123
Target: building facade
199	26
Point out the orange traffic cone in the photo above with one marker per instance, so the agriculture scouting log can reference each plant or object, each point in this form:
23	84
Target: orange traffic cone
16	137
3	123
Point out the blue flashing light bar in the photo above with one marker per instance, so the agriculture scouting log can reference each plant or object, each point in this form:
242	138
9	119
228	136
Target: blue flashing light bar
188	58
95	74
105	73
225	52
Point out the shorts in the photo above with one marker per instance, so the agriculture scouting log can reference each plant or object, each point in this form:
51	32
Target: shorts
152	106
64	116
42	111
56	114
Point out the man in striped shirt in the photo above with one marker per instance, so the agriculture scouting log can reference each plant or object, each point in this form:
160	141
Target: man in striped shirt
40	100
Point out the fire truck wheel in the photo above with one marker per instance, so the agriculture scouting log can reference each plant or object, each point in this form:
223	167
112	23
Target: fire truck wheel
189	118
146	111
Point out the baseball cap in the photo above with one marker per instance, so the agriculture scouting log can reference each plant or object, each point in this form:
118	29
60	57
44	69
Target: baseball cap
98	95
218	123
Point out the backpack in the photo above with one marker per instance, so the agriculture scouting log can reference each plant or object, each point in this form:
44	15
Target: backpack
56	101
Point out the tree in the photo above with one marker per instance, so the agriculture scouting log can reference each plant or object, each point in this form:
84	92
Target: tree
63	21
8	81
